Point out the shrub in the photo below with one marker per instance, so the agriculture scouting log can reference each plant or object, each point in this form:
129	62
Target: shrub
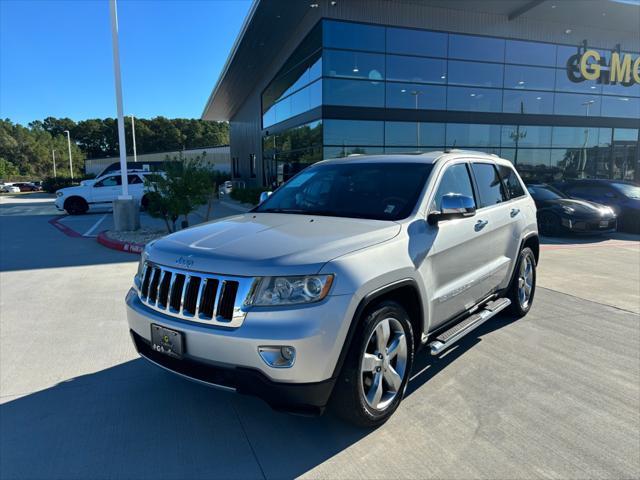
247	195
51	184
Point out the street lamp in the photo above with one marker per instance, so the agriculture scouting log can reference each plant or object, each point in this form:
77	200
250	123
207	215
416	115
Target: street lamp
70	160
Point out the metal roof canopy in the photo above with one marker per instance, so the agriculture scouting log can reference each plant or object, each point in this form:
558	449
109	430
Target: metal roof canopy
269	24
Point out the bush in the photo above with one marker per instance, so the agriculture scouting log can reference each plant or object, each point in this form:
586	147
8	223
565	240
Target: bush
51	184
247	195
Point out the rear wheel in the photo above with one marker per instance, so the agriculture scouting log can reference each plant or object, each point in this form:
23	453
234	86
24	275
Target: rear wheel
76	206
375	375
523	285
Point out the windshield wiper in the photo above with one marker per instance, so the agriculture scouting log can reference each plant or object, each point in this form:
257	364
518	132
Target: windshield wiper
283	210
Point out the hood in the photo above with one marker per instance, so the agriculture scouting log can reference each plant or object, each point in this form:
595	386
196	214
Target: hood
260	244
71	190
87	183
581	207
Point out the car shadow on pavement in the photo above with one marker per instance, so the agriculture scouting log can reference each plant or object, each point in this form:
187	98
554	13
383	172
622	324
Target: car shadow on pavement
137	421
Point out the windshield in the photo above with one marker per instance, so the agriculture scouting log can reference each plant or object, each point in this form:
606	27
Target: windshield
381	191
628	190
545	192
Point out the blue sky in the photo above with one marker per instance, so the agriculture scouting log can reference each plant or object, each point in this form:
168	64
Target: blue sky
56	56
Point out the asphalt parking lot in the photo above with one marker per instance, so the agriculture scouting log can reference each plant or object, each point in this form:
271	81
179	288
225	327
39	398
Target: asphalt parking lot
554	395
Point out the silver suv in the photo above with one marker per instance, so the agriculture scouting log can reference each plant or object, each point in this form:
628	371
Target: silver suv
323	294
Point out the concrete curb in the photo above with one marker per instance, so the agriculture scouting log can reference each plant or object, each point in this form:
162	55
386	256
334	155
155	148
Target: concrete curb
129	247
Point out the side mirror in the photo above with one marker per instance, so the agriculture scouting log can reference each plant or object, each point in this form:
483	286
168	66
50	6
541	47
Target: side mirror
453	205
264	196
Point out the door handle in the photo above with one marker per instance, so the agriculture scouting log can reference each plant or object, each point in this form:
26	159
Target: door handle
514	212
480	224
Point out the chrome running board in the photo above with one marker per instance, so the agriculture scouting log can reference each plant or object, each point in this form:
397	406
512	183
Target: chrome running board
459	330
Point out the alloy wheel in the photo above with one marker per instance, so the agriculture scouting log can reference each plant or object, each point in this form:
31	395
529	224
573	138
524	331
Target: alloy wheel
525	282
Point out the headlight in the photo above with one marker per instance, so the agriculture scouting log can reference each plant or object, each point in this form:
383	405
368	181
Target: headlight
568	210
291	290
607	211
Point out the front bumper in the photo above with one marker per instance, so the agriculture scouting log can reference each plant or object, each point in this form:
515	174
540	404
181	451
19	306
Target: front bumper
229	357
591	225
59	203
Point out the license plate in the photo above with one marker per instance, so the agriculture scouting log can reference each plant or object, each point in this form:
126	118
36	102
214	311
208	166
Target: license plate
604	223
166	341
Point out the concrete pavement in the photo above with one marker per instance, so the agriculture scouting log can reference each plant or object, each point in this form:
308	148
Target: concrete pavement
553	395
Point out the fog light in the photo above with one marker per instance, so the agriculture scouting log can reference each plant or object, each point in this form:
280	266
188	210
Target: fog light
278	356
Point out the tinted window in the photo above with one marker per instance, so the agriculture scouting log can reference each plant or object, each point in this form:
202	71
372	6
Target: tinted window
573	104
454	180
353	35
526	136
474	99
383	191
531	78
346	150
627	107
353	65
530	53
510	179
133	179
468	47
412	134
516	101
416	42
575	136
353	132
109	182
415	96
490	188
563	84
415	69
473	135
473	73
357	93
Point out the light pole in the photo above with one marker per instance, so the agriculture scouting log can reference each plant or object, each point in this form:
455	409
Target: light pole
133	134
53	154
70	160
416	94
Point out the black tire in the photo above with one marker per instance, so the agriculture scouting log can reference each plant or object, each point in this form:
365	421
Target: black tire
517	307
549	224
76	206
348	400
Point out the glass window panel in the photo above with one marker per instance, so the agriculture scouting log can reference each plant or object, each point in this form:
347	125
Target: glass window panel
283	109
455	179
357	93
472	135
405	95
628	107
490	188
511	180
530	53
575	136
353	35
532	163
574	104
474	99
529	78
269	118
474	73
589	162
516	101
414	134
565	52
315	94
291	80
625	134
353	65
604	137
416	42
526	136
353	132
415	69
618	89
468	47
339	152
563	84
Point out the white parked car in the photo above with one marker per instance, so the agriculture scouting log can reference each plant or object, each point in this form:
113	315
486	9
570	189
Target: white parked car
100	193
328	288
226	188
9	188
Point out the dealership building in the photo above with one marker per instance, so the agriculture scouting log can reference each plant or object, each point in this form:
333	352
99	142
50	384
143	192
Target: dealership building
552	85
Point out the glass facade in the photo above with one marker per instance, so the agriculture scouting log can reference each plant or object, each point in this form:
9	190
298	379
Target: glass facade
515	97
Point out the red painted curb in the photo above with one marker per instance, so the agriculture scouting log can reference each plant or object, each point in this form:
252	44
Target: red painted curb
55	221
129	247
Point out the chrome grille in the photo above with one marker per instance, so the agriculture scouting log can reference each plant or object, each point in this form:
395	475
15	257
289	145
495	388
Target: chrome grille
198	297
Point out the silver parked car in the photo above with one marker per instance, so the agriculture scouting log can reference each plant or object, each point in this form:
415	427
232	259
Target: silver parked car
325	292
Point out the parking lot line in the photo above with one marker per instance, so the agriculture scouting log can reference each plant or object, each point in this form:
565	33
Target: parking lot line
95	225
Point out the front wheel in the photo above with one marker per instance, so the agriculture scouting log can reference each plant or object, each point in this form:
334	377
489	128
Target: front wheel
523	285
375	375
76	206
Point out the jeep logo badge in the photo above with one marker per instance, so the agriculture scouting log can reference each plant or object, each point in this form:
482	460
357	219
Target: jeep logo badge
184	262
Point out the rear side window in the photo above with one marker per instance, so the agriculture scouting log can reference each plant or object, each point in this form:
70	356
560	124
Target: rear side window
134	179
511	181
112	181
454	180
490	188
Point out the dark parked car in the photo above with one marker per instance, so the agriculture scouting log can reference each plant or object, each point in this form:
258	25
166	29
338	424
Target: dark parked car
26	187
623	197
557	213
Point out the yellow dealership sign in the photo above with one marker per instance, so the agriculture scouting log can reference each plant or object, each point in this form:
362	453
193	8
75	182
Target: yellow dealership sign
589	64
